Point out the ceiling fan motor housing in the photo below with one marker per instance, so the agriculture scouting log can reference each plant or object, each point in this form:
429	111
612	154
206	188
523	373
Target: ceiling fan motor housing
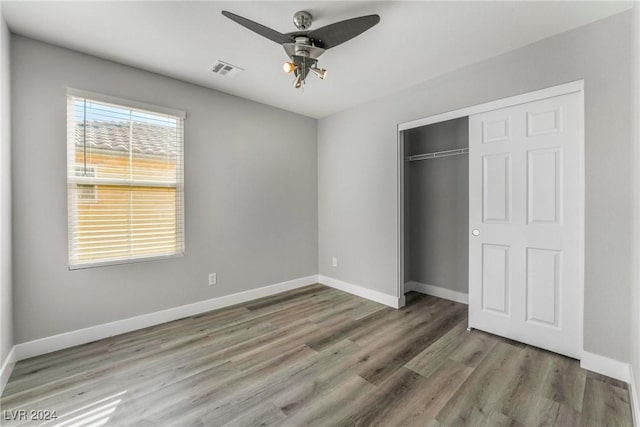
302	47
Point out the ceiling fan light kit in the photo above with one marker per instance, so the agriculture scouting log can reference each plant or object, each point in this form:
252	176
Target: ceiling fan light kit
305	46
320	72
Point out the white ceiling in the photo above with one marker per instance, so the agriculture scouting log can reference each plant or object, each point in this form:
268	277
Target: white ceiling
414	41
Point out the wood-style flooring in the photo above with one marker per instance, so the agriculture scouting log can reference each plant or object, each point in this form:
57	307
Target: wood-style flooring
314	356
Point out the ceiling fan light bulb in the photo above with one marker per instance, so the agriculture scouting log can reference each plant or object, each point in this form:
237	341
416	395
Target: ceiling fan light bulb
298	82
320	72
288	67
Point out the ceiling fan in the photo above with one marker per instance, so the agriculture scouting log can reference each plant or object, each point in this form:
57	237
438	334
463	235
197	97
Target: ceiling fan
305	46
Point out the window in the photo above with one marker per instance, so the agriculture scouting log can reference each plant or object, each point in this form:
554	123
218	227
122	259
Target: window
124	180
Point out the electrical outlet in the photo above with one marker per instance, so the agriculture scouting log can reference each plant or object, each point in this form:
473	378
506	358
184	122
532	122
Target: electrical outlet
213	278
334	262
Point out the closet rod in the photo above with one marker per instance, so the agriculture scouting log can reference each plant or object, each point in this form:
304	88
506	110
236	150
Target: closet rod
437	154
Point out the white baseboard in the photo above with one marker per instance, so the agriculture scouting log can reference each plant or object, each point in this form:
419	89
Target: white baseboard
7	368
605	366
633	394
382	298
437	291
93	333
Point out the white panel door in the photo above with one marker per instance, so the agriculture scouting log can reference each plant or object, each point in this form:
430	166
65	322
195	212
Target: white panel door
526	222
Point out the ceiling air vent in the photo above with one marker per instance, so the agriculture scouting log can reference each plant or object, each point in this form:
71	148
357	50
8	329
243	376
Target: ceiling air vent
225	69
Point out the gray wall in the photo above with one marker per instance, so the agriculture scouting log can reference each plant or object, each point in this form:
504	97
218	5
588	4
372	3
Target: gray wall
250	191
357	172
6	299
635	198
437	207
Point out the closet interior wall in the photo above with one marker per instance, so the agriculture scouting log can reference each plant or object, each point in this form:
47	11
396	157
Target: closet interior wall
436	211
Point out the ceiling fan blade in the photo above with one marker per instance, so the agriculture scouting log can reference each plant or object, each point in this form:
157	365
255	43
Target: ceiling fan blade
334	34
267	32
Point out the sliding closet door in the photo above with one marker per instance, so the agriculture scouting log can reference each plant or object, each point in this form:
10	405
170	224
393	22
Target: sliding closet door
526	224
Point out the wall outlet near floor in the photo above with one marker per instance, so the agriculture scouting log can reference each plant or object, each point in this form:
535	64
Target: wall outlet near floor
334	262
213	278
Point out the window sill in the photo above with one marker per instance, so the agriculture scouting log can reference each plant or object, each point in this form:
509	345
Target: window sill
123	261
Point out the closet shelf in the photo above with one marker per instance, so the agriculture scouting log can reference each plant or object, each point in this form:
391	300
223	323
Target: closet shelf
437	154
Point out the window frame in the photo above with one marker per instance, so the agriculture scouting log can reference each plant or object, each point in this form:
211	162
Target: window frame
179	185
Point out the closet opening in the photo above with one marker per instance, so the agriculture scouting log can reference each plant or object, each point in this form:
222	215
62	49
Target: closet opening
436	209
491	214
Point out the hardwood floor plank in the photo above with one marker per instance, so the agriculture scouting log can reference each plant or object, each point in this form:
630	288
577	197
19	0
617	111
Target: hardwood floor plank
474	347
418	401
364	308
331	332
395	350
128	342
605	405
196	395
523	391
286	298
380	325
351	306
265	414
491	419
298	395
567	416
565	382
484	388
607	380
391	398
80	375
248	392
431	358
332	409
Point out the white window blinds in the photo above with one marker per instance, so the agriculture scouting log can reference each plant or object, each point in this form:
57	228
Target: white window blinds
125	182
